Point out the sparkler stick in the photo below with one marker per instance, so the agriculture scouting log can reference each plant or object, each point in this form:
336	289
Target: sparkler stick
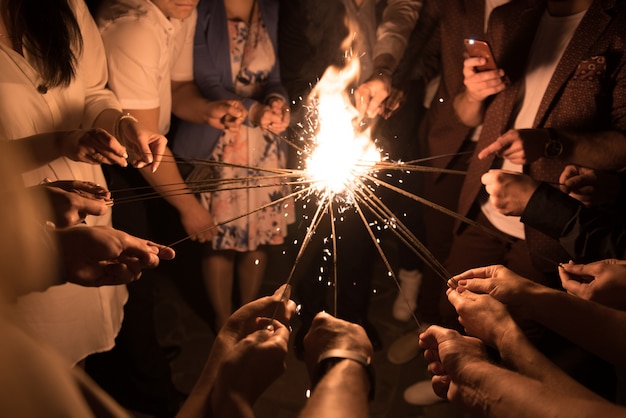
357	205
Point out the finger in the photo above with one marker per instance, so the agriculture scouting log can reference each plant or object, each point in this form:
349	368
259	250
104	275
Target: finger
441	384
110	148
117	274
490	150
158	150
91	206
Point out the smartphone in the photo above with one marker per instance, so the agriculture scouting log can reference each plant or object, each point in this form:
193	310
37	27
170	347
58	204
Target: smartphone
478	48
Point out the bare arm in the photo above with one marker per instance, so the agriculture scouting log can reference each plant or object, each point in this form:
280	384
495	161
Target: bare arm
463	374
342	393
189	104
559	311
168	182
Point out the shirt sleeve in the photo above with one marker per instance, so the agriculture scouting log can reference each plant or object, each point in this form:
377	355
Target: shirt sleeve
398	21
133	54
92	66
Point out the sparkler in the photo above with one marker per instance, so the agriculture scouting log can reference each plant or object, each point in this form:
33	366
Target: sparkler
340	166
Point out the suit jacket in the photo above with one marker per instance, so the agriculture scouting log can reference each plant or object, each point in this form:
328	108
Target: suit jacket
574	99
443	133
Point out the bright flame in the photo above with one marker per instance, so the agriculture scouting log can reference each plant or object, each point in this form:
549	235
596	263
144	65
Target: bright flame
342	152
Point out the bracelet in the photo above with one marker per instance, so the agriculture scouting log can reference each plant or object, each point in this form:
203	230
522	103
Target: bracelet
328	359
122	117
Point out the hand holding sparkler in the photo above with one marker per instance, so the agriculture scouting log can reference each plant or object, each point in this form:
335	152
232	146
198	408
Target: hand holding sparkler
144	147
602	282
72	200
272	117
248	343
482	315
225	114
101	256
94	146
448	353
370	96
591	187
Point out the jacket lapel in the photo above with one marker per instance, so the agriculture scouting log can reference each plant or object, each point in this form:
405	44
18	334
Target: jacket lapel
590	28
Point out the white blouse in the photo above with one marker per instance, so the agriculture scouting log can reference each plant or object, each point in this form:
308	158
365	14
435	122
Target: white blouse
76	320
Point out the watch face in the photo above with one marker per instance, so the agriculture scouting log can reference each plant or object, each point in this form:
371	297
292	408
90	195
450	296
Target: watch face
553	148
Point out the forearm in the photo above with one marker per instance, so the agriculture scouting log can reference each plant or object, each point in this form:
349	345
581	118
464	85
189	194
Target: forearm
601	150
492	391
108	120
36	150
342	393
569	315
170	185
469	112
519	355
187	102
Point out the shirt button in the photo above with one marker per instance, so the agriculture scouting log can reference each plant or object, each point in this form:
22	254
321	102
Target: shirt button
42	89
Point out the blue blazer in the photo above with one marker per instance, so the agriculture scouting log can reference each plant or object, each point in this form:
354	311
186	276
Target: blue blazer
213	73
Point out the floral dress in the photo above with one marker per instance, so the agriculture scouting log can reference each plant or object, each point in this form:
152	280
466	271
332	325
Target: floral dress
245	155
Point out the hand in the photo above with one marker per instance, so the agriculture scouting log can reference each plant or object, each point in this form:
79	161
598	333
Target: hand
509	192
480	85
330	333
370	96
449	354
198	223
589	186
519	146
499	282
282	110
72	200
481	315
251	366
269	119
395	100
93	146
144	147
100	255
602	282
226	114
232	346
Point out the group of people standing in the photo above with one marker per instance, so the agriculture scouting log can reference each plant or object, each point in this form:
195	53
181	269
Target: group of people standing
85	91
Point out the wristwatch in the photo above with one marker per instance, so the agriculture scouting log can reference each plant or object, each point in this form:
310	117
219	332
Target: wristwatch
330	358
553	147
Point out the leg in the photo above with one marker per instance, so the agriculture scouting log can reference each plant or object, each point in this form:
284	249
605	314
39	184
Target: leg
218	272
251	268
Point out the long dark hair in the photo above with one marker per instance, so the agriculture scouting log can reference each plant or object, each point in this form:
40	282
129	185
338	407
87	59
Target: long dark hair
51	34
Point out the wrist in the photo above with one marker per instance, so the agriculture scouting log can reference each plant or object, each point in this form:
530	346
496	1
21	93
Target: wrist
329	359
553	146
123	119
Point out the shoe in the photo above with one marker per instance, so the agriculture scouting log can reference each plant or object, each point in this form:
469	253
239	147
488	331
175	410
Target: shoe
421	394
404	349
406	300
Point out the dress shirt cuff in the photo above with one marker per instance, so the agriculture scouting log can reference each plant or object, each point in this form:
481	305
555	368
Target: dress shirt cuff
550	211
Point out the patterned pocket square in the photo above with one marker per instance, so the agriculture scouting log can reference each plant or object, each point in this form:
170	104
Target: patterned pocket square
591	69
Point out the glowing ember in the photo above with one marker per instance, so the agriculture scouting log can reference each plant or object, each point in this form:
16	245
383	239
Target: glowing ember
342	151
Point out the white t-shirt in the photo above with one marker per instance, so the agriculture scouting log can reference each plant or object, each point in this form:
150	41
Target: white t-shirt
75	320
552	37
145	52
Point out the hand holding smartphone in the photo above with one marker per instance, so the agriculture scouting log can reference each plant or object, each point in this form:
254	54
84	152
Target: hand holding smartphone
478	48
